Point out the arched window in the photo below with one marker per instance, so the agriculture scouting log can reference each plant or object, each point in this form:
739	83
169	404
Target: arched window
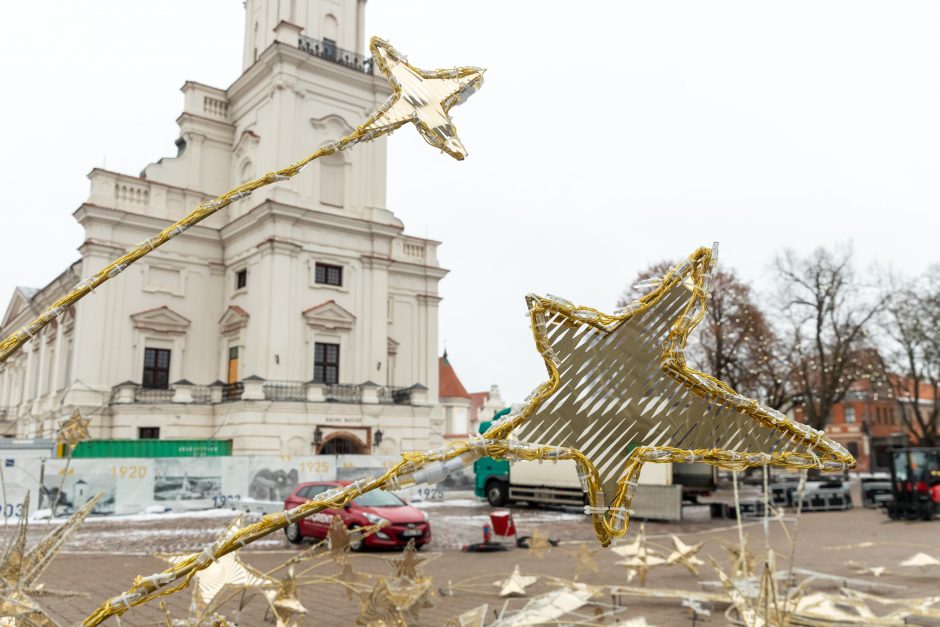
330	28
333	180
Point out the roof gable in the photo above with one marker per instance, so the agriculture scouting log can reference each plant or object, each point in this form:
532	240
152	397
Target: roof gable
19	303
449	385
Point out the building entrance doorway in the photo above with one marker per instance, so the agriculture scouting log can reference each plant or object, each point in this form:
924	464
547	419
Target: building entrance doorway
342	445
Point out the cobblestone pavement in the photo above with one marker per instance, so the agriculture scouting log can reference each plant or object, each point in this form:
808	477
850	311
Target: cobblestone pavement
103	559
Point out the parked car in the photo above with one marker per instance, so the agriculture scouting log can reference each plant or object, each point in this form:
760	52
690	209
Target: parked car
405	522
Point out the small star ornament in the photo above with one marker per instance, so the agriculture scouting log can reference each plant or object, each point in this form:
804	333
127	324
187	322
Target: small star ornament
620	394
226	571
685	554
421	97
584	561
539	544
408	563
284	602
73	430
920	560
20	568
515	584
338	540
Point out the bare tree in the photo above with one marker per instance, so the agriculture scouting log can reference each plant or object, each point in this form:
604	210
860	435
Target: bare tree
734	342
913	326
828	314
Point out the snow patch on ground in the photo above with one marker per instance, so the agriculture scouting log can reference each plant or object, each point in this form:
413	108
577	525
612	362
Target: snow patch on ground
454	503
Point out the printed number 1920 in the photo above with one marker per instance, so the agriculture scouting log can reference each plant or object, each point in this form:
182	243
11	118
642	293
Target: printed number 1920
129	472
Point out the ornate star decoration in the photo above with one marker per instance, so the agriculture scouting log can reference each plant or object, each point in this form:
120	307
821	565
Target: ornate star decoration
337	537
640	557
73	430
637	546
685	554
21	568
620	393
408	563
539	544
226	571
515	584
921	560
349	578
394	602
864	569
584	561
284	602
421	97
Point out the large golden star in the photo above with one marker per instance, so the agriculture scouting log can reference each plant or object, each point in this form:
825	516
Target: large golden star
620	394
421	97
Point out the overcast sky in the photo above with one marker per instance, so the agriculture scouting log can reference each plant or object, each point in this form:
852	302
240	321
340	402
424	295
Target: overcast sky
607	136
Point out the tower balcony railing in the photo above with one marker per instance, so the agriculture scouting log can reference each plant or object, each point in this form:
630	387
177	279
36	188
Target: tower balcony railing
325	49
257	389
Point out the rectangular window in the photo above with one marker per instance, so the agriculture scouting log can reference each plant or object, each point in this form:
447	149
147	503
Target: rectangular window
329	275
156	368
325	363
148	433
849	414
241	279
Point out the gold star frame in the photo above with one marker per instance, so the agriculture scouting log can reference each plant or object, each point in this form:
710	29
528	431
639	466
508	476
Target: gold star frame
619	395
421	97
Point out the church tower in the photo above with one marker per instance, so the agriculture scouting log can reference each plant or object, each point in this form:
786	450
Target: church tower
306	81
336	23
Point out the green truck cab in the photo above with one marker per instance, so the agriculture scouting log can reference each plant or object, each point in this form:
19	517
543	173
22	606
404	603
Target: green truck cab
487	468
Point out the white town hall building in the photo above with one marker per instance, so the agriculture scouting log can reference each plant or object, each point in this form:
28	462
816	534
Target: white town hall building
299	320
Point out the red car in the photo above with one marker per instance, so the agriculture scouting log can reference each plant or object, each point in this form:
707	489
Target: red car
405	522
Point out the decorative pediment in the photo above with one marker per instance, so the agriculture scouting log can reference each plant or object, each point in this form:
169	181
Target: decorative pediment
19	303
162	320
246	143
233	319
329	316
333	123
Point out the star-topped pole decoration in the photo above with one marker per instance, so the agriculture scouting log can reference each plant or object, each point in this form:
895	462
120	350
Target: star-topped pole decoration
621	394
422	97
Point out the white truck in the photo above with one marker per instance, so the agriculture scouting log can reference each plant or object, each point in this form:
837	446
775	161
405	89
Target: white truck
660	494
